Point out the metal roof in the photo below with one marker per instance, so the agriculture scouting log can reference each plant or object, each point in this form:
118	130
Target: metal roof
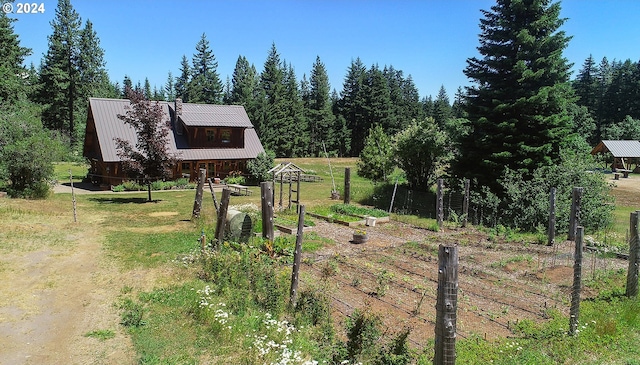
208	115
109	126
618	148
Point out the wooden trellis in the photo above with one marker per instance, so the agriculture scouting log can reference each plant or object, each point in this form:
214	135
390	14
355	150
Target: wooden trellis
287	172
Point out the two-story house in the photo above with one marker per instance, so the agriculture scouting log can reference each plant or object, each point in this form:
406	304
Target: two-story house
218	138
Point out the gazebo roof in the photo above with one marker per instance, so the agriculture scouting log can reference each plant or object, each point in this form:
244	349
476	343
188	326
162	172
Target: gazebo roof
620	148
285	167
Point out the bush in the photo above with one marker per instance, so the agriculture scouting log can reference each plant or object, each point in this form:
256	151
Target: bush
259	166
524	203
235	177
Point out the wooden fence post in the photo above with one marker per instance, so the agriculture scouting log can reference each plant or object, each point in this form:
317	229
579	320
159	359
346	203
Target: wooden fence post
574	219
297	256
393	196
465	203
446	306
266	195
439	204
551	231
574	313
222	215
213	195
197	204
73	198
347	185
634	256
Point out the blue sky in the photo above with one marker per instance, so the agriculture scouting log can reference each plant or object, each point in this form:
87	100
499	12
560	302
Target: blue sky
427	39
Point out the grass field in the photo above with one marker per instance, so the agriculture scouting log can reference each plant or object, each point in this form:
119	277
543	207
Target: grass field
176	306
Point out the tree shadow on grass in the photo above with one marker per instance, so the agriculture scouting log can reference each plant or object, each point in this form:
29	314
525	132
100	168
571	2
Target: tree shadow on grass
120	200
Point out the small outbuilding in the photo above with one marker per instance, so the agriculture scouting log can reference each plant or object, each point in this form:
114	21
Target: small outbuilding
621	155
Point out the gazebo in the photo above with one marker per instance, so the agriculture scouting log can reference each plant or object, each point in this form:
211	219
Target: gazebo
624	153
287	172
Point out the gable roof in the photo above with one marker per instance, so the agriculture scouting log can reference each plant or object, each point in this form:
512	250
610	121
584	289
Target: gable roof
208	115
108	127
620	148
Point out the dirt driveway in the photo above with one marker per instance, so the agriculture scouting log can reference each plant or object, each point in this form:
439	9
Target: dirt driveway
57	287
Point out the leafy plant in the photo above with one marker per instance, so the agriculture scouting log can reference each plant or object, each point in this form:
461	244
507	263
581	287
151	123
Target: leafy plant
132	313
101	335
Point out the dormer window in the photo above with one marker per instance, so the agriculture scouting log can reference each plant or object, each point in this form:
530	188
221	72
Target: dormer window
211	135
225	135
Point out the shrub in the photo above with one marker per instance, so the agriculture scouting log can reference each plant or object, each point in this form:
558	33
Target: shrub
363	331
235	177
259	166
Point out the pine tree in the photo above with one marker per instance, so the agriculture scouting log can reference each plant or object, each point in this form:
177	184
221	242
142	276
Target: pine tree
126	84
12	56
351	105
59	75
183	80
295	135
93	77
320	115
442	108
586	84
378	108
169	88
205	85
244	85
271	103
518	104
147	89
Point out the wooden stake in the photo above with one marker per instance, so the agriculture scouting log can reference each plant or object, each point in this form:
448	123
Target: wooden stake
577	282
439	204
197	203
347	185
574	219
446	306
634	256
266	195
297	257
222	215
73	198
465	203
213	196
551	230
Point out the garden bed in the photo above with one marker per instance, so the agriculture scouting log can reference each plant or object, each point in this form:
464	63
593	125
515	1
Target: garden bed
290	226
349	215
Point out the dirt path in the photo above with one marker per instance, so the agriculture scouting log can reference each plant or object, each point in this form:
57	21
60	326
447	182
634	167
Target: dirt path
56	290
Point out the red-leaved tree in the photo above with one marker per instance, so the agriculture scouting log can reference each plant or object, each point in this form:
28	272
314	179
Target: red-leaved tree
149	158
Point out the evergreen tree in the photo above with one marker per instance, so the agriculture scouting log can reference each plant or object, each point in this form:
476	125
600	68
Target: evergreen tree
412	108
147	89
352	105
59	74
93	77
244	86
378	101
169	88
12	55
518	104
126	84
442	108
272	107
586	84
319	111
458	107
295	135
183	80
205	85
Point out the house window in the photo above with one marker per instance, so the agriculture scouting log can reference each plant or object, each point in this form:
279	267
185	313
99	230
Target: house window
211	135
225	135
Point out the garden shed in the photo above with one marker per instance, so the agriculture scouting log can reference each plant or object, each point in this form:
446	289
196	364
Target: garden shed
619	154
